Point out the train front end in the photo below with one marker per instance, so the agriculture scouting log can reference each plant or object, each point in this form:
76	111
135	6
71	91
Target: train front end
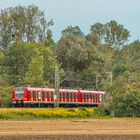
18	96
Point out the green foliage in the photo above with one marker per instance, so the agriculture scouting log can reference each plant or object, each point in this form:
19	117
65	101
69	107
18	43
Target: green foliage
127	104
22	24
96	33
16	61
5	96
111	33
49	63
75	53
49	42
130	56
119	69
115	34
103	110
34	75
82	58
70	31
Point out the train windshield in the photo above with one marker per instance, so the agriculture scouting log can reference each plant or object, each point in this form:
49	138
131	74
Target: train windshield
19	92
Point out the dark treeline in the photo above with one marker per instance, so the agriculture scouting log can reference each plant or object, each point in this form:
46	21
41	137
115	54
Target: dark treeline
100	60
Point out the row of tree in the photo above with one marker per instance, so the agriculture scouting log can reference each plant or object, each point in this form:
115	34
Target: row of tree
101	60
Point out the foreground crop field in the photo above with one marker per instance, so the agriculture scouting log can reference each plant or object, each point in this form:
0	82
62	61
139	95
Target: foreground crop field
71	127
73	124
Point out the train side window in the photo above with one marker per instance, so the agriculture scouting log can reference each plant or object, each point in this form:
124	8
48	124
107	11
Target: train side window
94	97
61	96
47	94
50	95
64	95
86	96
76	96
31	95
72	95
97	96
83	96
69	95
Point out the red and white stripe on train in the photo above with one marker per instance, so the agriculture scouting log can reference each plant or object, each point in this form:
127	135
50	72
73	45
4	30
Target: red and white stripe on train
36	96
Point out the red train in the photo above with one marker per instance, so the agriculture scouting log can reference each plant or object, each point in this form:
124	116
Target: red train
37	96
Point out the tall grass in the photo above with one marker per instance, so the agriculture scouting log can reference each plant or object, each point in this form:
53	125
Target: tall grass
11	113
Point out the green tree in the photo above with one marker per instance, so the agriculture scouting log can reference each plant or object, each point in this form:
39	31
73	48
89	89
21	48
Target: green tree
74	53
115	34
49	42
130	55
16	60
34	75
72	31
111	33
119	69
96	34
22	24
49	64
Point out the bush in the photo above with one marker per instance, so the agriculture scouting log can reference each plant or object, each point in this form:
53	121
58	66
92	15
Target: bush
127	105
5	99
103	110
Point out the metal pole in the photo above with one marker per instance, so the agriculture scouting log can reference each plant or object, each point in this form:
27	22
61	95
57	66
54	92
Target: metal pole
97	81
57	85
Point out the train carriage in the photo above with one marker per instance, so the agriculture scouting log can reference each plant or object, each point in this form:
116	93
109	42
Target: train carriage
37	96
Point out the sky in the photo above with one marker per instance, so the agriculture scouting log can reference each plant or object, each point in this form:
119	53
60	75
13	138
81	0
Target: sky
84	13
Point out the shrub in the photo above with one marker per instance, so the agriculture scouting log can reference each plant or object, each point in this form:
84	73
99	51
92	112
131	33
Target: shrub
103	110
127	105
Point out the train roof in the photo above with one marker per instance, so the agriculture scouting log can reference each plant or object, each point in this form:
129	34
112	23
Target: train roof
39	89
63	90
48	89
92	91
68	90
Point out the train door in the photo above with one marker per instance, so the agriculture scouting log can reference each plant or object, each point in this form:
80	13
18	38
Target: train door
74	95
79	96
